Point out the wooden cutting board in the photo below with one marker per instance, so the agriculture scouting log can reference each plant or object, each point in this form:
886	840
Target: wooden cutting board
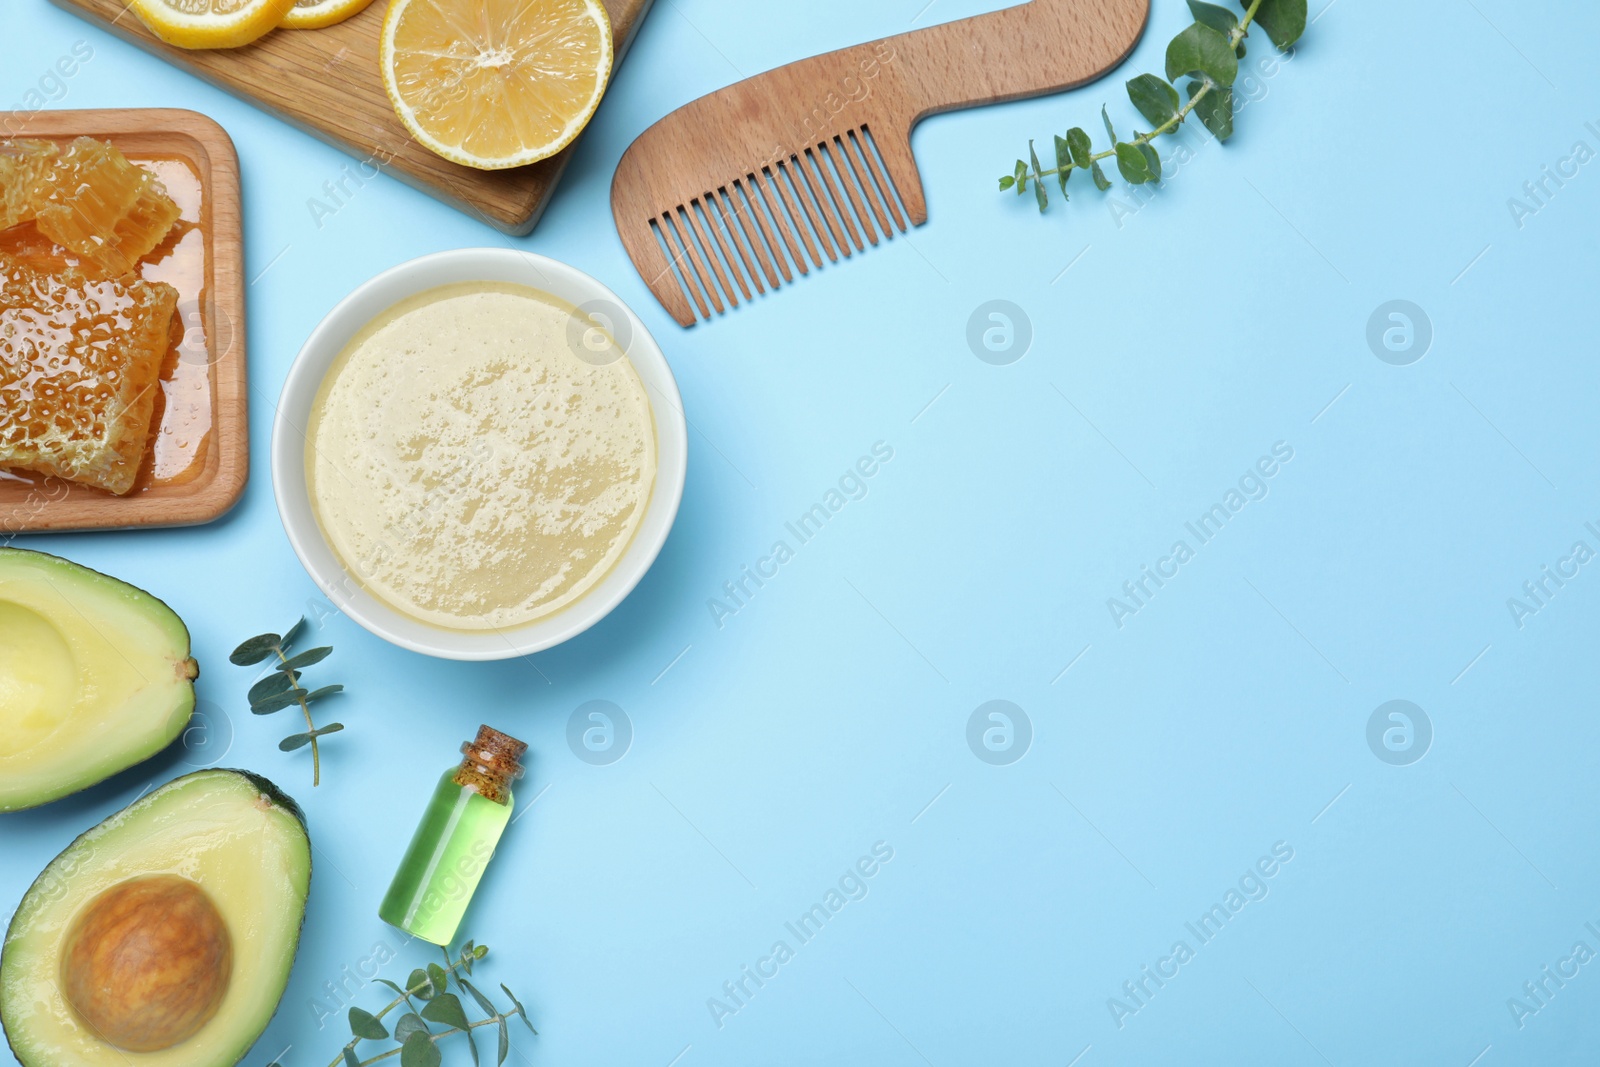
327	83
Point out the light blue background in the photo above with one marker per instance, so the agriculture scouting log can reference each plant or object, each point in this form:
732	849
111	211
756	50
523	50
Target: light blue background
830	713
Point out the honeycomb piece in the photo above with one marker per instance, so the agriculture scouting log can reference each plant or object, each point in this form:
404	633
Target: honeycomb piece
24	168
80	363
103	208
25	244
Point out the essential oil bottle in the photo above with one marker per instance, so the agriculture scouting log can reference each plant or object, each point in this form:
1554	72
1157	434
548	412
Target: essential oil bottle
452	847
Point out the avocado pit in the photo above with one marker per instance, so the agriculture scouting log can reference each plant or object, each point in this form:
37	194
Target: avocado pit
147	963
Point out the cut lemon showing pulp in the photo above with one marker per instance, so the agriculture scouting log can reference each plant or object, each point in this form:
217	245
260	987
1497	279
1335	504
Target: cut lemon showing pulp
495	83
315	14
211	23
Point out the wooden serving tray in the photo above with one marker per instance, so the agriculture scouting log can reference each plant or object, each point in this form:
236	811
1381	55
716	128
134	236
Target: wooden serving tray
200	458
327	83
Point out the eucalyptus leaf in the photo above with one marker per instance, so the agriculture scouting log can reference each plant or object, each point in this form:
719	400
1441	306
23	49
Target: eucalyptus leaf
1101	182
1284	21
408	1024
255	650
1152	160
1218	18
468	958
365	1025
1007	182
1105	117
350	1057
446	1008
505	1042
1038	180
1078	141
1021	177
307	658
294	632
1215	109
520	1009
325	691
440	980
419	1051
483	1002
271	686
274	703
1202	52
1156	100
331	728
1064	164
294	741
420	984
1131	162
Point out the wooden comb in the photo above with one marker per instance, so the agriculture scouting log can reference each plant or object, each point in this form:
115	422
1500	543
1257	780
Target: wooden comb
759	181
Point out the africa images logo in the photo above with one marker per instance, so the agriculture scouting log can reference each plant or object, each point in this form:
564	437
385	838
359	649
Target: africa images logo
1251	887
1253	485
599	732
851	885
1399	733
999	733
999	333
853	484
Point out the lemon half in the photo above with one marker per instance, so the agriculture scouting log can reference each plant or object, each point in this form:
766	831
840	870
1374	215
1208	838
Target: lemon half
493	84
210	23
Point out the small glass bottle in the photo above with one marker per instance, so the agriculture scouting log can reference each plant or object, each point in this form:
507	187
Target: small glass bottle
453	844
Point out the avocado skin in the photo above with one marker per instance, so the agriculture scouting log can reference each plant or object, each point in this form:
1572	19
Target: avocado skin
194	675
265	785
278	797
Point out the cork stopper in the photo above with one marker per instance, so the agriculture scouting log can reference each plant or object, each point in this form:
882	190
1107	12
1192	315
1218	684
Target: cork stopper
491	764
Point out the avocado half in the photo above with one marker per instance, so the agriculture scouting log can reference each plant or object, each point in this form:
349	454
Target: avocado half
239	846
95	676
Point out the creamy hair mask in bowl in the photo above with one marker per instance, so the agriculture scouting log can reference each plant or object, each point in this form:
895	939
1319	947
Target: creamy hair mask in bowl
478	468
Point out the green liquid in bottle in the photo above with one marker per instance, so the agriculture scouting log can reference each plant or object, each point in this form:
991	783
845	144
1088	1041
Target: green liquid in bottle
451	849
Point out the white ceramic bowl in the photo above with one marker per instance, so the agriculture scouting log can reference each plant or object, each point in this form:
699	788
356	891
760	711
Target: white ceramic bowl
371	300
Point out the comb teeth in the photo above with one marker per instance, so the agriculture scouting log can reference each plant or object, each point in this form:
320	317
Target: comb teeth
752	234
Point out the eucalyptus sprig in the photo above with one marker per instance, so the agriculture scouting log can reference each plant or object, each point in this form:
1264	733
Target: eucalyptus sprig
282	687
416	1042
1207	54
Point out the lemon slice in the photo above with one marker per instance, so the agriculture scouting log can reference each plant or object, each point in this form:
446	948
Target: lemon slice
495	83
315	14
210	23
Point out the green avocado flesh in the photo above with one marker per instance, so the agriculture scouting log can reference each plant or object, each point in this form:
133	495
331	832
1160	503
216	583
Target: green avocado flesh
95	676
232	834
